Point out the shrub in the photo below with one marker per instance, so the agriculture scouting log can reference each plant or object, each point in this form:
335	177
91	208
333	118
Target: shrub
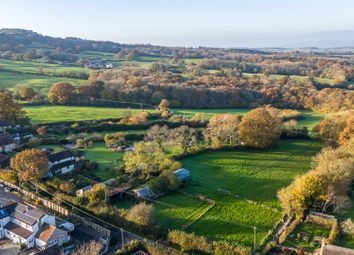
8	176
289	229
333	234
348	227
142	214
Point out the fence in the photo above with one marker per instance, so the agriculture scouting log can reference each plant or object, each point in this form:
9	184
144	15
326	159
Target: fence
45	202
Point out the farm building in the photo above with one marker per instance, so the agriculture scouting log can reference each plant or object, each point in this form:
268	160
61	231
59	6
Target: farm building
144	192
182	174
7	143
328	249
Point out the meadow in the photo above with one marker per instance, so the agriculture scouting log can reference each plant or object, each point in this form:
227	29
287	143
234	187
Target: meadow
33	67
41	83
253	178
309	119
47	114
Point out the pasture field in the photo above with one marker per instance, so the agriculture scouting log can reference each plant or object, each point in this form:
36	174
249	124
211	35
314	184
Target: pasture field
33	67
41	83
310	119
253	178
175	210
47	114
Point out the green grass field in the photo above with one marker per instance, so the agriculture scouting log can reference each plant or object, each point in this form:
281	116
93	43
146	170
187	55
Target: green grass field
310	119
12	80
250	174
47	114
34	67
105	158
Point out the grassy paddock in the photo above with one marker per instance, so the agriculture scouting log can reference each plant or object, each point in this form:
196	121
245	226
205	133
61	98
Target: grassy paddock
47	114
250	174
310	119
12	80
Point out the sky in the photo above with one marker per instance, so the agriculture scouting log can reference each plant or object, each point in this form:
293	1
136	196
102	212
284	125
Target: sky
216	23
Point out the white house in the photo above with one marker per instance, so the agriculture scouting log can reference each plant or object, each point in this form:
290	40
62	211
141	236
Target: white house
25	225
61	163
7	143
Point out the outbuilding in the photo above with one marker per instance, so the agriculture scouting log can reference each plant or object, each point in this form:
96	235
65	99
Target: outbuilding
182	174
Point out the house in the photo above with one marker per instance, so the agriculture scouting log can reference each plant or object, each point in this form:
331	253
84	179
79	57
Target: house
81	192
328	249
24	225
109	65
182	174
7	143
4	124
144	192
61	163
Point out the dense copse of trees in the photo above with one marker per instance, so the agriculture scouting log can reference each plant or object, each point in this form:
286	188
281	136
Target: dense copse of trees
136	84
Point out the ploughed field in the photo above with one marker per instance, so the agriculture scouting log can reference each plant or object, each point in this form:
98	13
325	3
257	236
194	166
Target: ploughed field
249	180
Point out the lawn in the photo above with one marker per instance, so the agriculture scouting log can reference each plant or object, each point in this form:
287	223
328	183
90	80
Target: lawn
47	114
105	158
310	119
250	175
12	80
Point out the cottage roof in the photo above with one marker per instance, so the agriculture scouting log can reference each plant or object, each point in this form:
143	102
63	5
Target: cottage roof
20	231
6	139
24	218
60	156
63	164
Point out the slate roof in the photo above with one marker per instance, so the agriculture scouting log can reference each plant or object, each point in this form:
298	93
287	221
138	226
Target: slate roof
24	218
6	139
60	156
63	164
20	231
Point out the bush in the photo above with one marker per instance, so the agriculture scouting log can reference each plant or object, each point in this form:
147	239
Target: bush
333	234
142	214
289	229
8	176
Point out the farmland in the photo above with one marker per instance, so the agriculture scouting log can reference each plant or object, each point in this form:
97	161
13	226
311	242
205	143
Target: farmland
41	83
47	114
249	175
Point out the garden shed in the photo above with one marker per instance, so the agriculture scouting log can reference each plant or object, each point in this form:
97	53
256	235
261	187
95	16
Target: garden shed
144	192
182	174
